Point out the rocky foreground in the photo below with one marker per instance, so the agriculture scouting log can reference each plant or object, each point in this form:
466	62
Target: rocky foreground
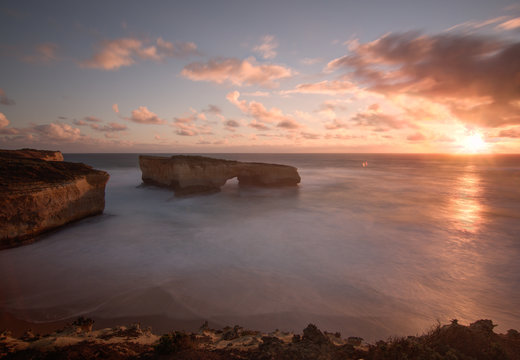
40	192
189	175
79	341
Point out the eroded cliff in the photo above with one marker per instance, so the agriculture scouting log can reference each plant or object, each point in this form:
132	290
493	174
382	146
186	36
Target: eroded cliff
198	174
38	195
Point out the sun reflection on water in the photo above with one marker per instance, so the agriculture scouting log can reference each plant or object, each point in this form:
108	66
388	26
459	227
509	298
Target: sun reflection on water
466	207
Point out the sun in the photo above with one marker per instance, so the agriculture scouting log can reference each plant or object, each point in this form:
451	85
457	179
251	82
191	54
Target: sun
473	144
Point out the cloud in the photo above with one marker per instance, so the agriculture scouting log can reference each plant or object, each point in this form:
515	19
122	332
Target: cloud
57	132
113	54
144	116
416	137
3	121
310	136
213	109
4	100
257	93
44	53
324	87
261	114
510	25
232	123
258	125
311	61
115	107
187	125
237	72
267	48
112	127
380	120
336	124
475	76
92	119
510	133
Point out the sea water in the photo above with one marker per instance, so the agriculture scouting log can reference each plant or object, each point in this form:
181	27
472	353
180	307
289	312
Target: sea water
384	249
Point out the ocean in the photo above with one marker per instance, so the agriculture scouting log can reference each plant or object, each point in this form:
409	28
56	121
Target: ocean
376	251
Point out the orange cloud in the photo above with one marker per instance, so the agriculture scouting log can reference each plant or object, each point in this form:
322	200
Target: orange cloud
113	54
260	113
144	116
510	133
447	69
237	72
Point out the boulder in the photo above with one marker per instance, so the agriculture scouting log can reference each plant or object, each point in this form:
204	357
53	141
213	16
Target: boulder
198	174
38	195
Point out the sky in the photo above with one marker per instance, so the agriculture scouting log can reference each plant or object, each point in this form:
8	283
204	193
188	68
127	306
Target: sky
261	76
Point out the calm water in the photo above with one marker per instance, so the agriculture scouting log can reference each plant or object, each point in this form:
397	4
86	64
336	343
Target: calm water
377	251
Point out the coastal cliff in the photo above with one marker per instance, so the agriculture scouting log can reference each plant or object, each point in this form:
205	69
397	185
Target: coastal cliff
32	154
188	175
38	195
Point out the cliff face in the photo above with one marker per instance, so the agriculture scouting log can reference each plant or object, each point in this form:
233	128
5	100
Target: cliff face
33	154
38	195
197	174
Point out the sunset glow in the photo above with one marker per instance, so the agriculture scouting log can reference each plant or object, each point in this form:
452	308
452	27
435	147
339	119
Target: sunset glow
474	144
206	77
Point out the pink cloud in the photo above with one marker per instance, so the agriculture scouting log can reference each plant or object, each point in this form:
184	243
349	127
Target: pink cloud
261	114
57	132
112	127
416	137
4	100
44	53
113	54
237	72
453	70
267	49
510	25
188	125
144	116
310	136
258	125
324	87
3	121
115	107
336	124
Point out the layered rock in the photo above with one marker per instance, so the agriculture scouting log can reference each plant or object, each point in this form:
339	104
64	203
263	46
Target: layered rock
38	195
197	174
33	154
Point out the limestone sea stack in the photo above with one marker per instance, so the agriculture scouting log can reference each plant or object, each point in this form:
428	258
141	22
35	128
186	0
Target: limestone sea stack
37	195
188	175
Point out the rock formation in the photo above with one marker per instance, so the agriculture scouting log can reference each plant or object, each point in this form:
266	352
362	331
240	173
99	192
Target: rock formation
33	154
198	174
38	195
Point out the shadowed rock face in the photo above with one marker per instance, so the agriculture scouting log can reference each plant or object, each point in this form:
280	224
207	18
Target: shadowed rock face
38	195
197	174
